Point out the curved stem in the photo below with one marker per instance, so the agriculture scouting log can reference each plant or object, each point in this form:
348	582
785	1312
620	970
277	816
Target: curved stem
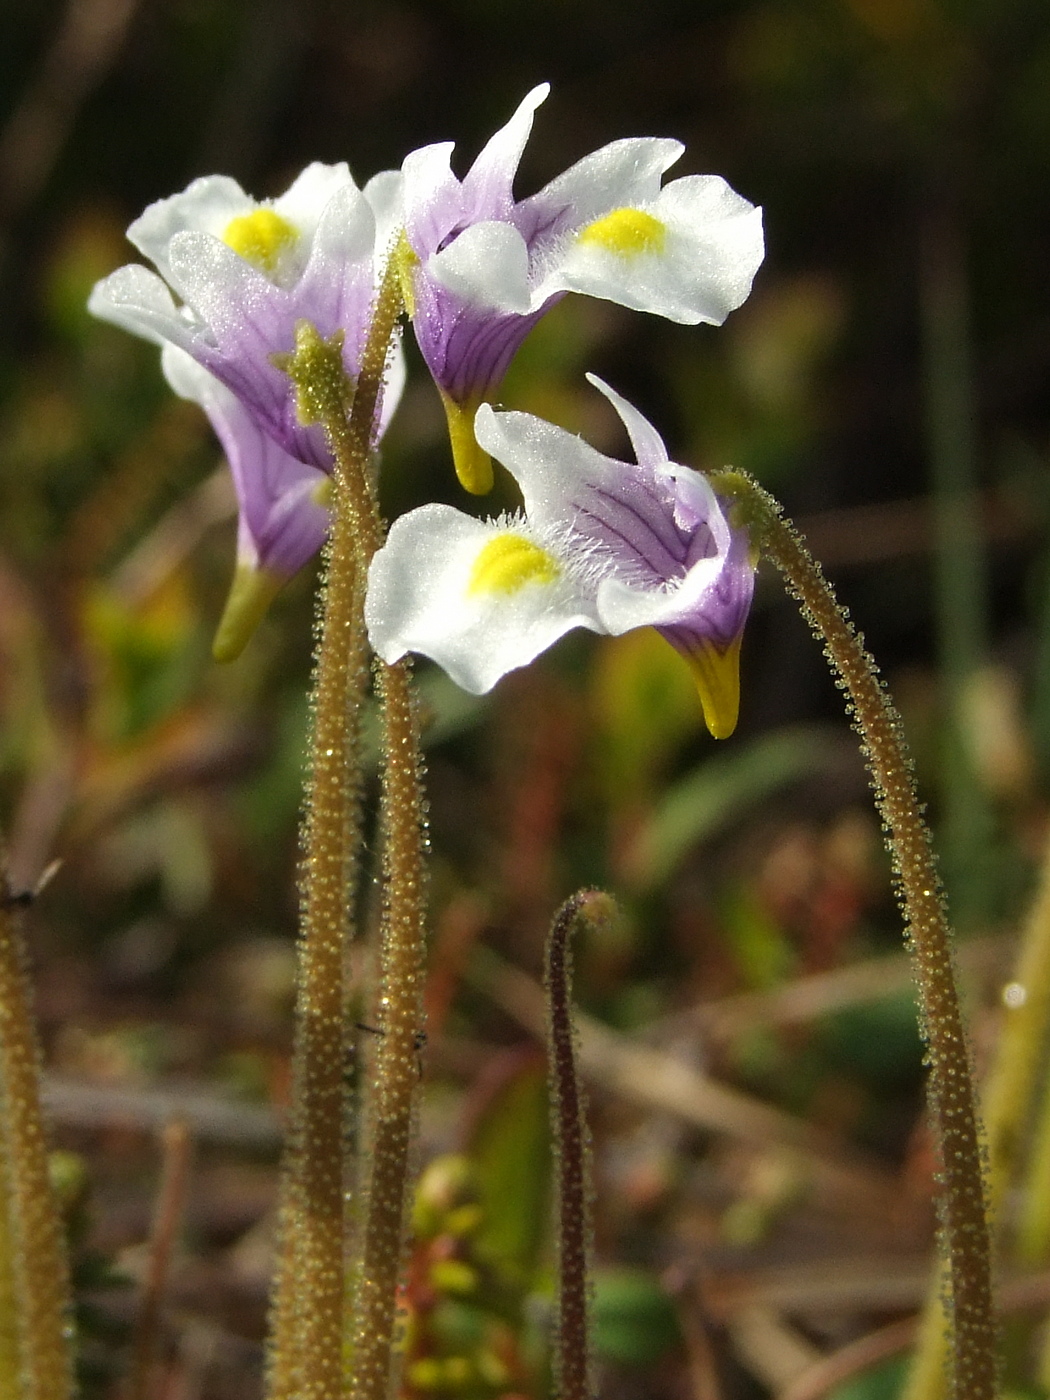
574	1228
950	1084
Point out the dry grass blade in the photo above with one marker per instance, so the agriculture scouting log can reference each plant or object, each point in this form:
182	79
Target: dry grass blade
177	1147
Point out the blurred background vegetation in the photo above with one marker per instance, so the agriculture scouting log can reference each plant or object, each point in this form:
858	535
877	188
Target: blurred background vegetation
888	379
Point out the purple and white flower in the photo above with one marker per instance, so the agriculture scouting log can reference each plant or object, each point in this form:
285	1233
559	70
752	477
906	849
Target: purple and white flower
480	268
246	272
283	520
601	544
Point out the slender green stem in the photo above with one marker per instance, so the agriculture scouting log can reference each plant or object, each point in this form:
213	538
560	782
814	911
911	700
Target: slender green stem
400	1013
40	1268
307	1350
960	567
399	1004
572	1354
950	1084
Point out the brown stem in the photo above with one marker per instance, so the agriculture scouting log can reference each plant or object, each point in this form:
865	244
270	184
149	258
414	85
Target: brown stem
950	1083
177	1147
400	1013
40	1267
572	1355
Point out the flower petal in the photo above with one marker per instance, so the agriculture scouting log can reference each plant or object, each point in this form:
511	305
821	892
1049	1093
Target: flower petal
282	523
623	173
487	265
136	299
433	197
649	449
488	185
205	206
306	199
421	598
696	267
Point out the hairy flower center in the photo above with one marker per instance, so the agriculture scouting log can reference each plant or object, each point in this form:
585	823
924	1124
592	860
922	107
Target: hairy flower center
508	562
261	238
627	232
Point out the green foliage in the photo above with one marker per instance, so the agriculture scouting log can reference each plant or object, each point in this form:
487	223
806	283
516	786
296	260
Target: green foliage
635	1323
510	1150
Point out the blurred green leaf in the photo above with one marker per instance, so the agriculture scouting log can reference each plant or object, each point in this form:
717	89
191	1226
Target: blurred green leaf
634	1320
510	1148
718	792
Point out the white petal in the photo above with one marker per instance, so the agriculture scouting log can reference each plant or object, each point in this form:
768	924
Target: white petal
189	379
418	600
345	234
623	174
711	251
393	386
385	193
205	206
219	285
487	265
136	299
548	463
649	449
432	195
303	203
488	186
622	606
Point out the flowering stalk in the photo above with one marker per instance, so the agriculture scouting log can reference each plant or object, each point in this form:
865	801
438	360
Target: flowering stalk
399	1004
309	1300
950	1085
400	1013
574	1228
39	1268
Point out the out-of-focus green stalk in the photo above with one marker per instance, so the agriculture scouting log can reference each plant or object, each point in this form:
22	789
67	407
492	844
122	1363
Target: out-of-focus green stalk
960	566
40	1270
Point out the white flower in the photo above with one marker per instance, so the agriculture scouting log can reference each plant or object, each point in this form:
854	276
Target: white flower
602	544
481	267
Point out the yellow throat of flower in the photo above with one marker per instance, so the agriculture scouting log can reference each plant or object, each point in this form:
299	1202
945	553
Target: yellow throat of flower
626	232
261	238
508	562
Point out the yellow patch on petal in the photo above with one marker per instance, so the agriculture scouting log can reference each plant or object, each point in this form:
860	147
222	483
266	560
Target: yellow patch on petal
261	238
509	562
324	492
626	232
251	593
717	676
473	464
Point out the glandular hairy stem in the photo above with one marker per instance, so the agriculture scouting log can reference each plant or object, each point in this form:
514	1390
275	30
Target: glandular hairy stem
308	1313
572	1171
399	1010
39	1270
962	1203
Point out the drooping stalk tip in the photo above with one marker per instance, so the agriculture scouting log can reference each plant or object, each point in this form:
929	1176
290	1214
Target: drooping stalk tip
573	1365
950	1084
